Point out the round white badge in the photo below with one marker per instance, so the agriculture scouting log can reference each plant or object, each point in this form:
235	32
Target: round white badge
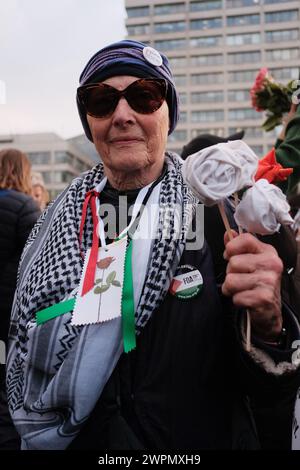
152	56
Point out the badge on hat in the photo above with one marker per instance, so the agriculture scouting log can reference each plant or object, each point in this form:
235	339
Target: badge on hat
152	56
187	282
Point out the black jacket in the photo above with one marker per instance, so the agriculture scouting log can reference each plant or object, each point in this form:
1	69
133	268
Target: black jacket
189	384
18	214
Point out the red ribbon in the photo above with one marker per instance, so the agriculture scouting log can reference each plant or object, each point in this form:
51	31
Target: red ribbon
90	199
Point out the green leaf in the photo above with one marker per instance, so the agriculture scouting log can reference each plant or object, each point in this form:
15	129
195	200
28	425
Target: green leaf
111	277
116	283
101	289
271	122
98	281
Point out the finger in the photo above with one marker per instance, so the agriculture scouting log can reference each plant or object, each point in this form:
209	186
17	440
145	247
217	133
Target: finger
235	283
226	237
246	243
262	299
249	263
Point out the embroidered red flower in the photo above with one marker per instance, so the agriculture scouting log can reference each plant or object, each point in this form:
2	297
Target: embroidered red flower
270	170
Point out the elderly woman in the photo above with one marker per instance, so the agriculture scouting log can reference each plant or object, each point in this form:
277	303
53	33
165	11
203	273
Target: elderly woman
107	352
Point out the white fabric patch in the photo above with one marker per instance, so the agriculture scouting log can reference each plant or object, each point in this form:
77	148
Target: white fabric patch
103	301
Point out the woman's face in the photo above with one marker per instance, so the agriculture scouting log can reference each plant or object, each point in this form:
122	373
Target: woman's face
128	141
37	194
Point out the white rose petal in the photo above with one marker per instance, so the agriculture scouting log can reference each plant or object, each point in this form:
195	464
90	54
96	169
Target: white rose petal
263	209
216	172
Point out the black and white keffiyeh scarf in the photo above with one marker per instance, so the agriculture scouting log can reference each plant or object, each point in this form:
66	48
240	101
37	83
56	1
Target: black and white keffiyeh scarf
56	371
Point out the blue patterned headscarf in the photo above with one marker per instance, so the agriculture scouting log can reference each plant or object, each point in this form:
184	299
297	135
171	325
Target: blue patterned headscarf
129	58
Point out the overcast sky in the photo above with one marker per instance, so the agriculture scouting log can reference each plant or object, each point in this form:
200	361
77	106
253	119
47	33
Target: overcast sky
44	45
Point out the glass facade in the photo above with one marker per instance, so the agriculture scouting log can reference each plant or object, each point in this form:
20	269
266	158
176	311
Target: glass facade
207	41
242	20
244	57
208	23
241	39
215	49
169	27
207	116
206	78
282	35
207	97
205	5
169	9
242	114
40	158
281	16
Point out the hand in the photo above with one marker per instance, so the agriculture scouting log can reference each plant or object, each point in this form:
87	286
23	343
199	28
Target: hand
253	279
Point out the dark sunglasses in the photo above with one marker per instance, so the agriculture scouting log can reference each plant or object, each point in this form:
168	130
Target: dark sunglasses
144	96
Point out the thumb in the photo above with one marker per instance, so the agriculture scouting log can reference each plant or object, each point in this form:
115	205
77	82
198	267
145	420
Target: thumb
226	236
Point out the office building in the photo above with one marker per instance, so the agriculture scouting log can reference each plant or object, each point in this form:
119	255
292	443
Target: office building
216	48
58	160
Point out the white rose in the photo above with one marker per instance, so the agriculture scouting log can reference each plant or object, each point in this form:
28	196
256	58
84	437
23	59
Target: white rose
263	209
218	171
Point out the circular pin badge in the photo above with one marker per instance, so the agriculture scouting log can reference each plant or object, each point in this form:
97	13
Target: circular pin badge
152	56
187	282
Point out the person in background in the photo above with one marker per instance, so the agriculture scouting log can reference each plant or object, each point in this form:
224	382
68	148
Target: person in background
206	140
39	191
18	214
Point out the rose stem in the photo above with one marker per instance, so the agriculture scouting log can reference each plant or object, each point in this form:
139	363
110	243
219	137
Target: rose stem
230	236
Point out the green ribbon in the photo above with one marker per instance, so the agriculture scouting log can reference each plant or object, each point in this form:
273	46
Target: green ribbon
128	321
54	311
127	307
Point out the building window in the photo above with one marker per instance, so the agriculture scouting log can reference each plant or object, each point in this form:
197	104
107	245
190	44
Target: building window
241	3
249	131
170	27
270	2
243	57
286	73
62	177
178	135
207	41
219	131
138	29
243	20
46	176
207	78
207	116
242	76
281	16
242	114
135	12
208	23
180	80
258	150
282	54
182	98
205	5
241	39
282	35
39	158
238	95
170	44
183	117
207	97
63	157
169	8
177	62
213	59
